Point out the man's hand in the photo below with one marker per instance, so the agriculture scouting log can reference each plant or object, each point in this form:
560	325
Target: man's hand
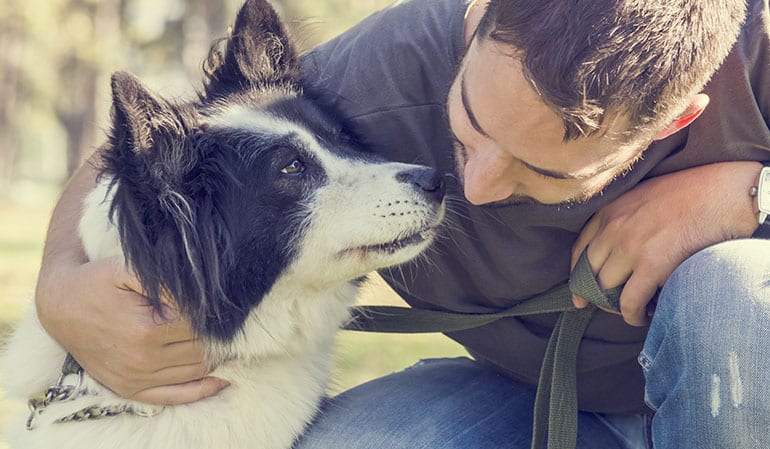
642	236
95	312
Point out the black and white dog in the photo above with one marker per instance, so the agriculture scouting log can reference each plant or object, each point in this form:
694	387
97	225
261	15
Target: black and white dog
254	210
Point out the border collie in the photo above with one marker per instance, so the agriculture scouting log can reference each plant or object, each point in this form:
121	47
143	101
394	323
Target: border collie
256	211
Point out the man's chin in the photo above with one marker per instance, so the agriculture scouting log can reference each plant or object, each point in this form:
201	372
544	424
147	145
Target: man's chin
526	200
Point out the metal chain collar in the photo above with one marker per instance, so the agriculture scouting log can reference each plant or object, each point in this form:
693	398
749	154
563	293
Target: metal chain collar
95	412
62	391
58	392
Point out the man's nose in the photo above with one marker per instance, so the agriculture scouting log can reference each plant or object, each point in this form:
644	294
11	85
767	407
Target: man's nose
484	182
480	191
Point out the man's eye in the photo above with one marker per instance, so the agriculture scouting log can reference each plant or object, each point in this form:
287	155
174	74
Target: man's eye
295	167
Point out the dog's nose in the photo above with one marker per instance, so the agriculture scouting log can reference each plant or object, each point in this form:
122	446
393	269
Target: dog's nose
429	181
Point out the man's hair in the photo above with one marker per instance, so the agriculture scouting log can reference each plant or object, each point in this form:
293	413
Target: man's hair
596	60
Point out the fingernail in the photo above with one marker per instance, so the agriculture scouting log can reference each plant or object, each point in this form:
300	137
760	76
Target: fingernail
576	302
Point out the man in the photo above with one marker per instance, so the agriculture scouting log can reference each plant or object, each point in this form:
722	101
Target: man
574	125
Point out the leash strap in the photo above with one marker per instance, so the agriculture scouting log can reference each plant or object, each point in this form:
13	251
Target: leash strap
556	411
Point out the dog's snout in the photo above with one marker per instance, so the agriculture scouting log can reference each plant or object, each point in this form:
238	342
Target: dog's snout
428	181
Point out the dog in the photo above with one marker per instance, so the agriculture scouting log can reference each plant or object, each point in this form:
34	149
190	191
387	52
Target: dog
259	214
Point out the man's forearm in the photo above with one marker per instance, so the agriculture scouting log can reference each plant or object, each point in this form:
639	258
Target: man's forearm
63	244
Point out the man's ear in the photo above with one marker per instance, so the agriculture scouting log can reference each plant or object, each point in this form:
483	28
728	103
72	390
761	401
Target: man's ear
691	112
258	53
473	16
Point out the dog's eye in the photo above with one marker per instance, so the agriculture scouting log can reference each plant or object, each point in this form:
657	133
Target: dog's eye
295	167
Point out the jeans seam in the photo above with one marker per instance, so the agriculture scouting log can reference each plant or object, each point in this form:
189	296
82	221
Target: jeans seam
648	431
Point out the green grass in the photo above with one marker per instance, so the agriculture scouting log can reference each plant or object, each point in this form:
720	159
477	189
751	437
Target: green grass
22	230
362	356
359	358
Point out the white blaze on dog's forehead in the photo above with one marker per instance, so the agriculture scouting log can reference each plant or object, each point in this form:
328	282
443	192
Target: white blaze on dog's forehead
241	117
244	118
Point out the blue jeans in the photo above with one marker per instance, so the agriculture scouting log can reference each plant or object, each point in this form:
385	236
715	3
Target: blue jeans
706	360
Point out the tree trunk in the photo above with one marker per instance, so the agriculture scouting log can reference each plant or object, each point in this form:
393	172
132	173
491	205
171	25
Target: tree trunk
12	43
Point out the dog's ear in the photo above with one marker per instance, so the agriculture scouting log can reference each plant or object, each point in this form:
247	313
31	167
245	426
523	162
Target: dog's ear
258	53
139	116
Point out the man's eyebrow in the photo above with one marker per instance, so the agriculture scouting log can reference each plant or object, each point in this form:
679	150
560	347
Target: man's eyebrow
468	110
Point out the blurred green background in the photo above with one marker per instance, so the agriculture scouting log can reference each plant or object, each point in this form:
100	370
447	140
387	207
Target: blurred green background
56	57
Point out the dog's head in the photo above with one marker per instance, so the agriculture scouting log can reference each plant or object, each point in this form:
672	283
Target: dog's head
217	200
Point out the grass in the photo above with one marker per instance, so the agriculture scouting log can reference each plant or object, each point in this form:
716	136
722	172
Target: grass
363	356
22	231
359	358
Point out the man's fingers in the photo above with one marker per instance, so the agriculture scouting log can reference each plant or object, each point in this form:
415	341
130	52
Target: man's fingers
611	272
614	270
167	357
187	352
579	302
586	236
183	393
181	374
635	297
583	240
131	384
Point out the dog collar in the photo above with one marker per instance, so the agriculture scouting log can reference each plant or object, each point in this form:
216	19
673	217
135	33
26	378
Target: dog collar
69	387
69	383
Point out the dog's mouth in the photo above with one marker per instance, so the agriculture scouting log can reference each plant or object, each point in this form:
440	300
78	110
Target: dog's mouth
391	247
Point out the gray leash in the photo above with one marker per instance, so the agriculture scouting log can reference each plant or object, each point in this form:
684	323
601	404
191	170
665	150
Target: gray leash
556	411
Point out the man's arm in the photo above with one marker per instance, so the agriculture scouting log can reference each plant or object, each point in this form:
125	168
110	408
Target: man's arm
640	238
94	311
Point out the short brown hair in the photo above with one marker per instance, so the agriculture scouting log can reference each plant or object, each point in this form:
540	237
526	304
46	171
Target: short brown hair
594	59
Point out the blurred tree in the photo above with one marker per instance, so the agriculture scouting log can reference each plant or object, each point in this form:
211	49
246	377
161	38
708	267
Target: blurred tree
56	57
80	70
11	49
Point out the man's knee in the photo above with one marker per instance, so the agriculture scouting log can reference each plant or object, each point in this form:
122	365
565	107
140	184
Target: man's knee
706	353
719	296
728	278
